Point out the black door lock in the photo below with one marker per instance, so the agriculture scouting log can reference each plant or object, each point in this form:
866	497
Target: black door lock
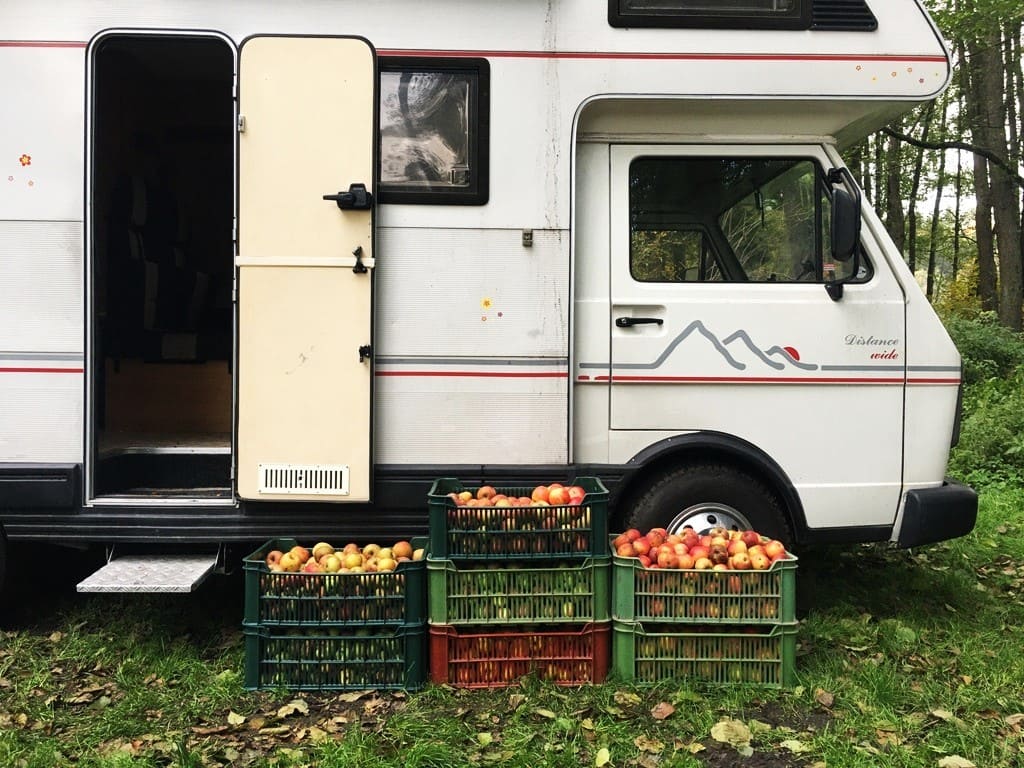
356	199
364	352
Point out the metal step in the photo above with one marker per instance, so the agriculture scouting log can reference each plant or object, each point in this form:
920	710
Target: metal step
151	573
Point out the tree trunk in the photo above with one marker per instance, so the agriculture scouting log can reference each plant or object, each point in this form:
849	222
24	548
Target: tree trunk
940	183
894	218
915	187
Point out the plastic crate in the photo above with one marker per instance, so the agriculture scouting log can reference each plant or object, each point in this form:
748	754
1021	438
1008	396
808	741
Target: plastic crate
699	597
467	657
564	592
524	533
323	659
751	654
305	599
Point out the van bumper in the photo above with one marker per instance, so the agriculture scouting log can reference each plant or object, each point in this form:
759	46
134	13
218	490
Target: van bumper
937	514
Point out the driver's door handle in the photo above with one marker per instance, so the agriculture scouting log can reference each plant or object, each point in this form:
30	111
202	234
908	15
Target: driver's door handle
628	322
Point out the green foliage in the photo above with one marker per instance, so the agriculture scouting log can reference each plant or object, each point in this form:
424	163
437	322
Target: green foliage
989	349
991	449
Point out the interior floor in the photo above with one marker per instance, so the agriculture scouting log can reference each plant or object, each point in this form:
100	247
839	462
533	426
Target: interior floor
163	203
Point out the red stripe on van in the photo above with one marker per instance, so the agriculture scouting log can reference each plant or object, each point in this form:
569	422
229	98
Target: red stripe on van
42	370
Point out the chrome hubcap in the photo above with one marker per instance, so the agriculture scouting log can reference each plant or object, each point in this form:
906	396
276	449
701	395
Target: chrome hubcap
703	517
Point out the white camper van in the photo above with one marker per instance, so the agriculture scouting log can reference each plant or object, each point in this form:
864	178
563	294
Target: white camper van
268	269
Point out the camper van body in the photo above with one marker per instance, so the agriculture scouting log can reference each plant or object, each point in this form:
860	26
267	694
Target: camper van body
198	348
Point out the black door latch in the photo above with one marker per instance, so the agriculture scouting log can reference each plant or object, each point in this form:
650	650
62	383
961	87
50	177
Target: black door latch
356	199
364	352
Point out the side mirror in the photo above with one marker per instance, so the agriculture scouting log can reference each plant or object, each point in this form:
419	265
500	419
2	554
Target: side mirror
844	221
845	225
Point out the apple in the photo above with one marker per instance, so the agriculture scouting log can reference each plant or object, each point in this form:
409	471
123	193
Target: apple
352	560
619	540
312	566
558	496
625	550
370	550
402	549
760	561
641	546
699	550
685	561
386	564
750	538
736	545
576	493
740	561
419	554
301	553
331	563
774	549
485	492
274	558
290	562
320	549
465	496
540	493
702	564
633	533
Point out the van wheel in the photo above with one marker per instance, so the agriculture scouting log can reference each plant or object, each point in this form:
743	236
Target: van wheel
706	496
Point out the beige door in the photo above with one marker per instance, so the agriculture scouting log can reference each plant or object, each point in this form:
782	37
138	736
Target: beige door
307	111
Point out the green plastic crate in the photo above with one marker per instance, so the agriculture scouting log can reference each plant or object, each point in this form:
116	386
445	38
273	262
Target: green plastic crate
718	654
304	599
325	659
700	597
564	592
522	533
490	657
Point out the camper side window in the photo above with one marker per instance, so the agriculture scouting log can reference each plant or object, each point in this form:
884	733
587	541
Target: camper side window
434	130
732	219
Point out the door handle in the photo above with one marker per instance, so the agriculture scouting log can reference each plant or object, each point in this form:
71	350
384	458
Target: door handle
356	199
629	322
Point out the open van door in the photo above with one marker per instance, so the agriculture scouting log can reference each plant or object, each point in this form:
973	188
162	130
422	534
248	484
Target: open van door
307	127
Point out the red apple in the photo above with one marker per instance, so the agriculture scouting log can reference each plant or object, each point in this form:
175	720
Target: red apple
625	550
540	493
642	545
577	492
750	538
773	549
633	533
740	561
558	496
274	558
736	545
699	550
685	561
702	564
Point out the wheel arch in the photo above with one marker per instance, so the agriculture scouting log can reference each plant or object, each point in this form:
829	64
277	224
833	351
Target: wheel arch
709	446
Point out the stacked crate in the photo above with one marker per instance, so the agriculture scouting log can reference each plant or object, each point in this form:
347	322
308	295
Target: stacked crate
734	626
334	631
518	590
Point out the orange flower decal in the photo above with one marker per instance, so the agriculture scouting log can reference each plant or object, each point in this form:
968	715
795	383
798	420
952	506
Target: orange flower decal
25	160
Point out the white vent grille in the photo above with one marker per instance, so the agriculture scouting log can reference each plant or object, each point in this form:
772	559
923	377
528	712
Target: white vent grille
305	479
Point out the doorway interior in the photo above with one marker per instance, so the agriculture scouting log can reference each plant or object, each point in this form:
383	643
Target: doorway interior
162	317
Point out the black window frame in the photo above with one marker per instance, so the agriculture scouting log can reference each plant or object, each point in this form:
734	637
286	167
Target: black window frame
619	17
479	132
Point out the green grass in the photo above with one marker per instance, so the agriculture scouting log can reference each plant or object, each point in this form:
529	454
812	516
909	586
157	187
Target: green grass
905	658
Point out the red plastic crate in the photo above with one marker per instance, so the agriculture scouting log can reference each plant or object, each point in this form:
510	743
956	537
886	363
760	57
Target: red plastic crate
482	657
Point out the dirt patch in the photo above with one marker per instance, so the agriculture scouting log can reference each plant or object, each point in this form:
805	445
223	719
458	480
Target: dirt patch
716	755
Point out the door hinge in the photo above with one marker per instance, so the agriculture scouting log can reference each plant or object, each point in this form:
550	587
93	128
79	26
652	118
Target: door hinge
241	123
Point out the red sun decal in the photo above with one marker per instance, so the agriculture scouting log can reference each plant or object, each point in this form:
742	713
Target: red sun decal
791	351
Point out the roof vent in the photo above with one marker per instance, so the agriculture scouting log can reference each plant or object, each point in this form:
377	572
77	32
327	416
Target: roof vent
843	15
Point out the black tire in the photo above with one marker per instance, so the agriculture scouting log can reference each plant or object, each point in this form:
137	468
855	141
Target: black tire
709	495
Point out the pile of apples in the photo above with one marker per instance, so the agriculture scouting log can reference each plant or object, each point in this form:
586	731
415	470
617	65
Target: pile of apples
351	558
552	495
718	549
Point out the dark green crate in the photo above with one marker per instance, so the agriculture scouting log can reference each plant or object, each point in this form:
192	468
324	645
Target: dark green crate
717	653
521	533
562	592
304	599
338	659
703	596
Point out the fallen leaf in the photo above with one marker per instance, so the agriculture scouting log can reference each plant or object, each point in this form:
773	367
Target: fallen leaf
603	757
645	744
235	719
794	745
587	724
758	727
661	710
516	700
825	698
695	747
967	679
729	731
955	761
546	713
317	735
484	738
295	706
1014	719
624	697
276	730
208	730
353	696
56	637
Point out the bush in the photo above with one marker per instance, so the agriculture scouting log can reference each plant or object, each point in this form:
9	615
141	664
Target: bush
989	349
991	449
